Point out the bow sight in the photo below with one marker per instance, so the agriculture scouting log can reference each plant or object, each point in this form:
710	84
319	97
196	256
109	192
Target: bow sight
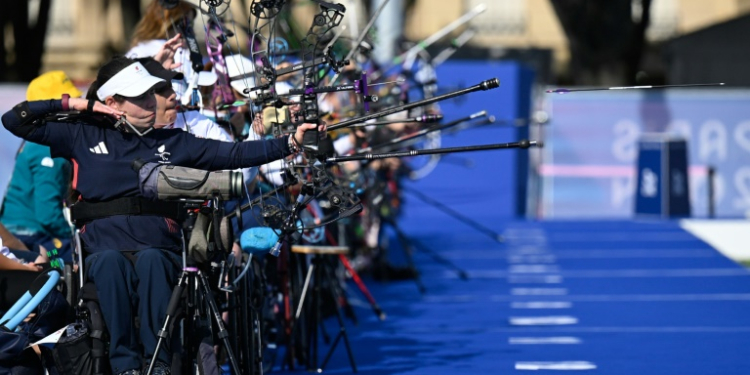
360	87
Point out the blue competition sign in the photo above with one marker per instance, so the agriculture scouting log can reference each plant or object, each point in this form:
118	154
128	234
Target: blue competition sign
588	167
662	187
678	200
650	186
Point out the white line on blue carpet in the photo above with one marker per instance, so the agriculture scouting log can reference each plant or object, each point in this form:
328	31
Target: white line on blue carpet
555	320
535	279
550	257
615	273
541	305
565	365
557	340
538	291
561	295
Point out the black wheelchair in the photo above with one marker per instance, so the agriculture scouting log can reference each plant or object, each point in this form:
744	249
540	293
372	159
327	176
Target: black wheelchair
212	288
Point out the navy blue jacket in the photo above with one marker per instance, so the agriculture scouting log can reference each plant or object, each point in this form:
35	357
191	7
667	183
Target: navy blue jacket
102	157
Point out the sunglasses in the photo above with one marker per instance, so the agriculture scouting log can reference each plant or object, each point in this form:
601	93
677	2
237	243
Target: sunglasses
138	98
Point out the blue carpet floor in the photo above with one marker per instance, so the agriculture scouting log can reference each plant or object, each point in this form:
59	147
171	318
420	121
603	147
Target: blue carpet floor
614	297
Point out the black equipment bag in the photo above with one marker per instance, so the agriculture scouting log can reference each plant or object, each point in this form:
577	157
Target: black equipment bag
74	352
81	350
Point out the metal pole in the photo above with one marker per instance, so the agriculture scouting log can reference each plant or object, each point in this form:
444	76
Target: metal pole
711	192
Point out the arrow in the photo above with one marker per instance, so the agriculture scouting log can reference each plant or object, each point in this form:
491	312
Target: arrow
565	91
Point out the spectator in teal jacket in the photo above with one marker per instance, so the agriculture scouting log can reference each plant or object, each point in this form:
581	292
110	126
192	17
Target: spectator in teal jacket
33	206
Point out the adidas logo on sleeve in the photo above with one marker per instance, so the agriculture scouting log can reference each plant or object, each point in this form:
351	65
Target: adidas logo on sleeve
101	148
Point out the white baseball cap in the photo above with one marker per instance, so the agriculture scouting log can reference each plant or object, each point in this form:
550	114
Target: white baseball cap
130	82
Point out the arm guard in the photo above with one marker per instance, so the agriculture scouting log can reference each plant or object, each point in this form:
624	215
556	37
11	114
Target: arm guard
26	120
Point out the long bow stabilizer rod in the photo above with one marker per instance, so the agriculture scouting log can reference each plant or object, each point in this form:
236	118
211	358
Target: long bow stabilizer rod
484	86
565	91
402	143
520	144
422	132
424	119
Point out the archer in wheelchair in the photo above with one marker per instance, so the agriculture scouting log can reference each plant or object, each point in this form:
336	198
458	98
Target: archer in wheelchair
130	245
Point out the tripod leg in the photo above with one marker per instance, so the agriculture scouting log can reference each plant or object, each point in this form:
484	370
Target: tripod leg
298	313
223	333
461	273
304	291
245	327
330	352
257	343
479	227
361	285
256	300
408	251
283	265
355	276
316	319
342	328
326	336
436	257
235	311
174	301
296	345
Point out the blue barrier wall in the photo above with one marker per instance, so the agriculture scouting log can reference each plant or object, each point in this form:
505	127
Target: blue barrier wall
486	185
588	167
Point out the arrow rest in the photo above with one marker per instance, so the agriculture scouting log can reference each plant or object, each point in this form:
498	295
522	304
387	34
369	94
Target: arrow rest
335	65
